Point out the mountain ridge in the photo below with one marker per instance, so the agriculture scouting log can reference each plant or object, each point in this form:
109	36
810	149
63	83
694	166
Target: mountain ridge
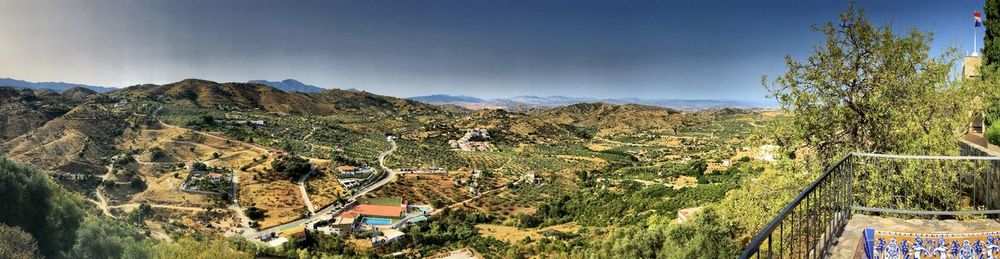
55	86
527	102
290	85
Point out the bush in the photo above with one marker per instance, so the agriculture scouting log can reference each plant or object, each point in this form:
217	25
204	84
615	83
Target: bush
255	213
16	243
199	166
155	153
993	134
36	205
137	183
293	166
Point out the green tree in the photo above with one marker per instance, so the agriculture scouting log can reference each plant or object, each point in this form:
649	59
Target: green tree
199	166
109	238
705	236
156	153
255	213
867	88
137	183
189	247
140	214
17	244
38	206
293	166
696	168
991	40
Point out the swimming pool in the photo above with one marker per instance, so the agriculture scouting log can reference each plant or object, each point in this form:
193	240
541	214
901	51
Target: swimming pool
377	221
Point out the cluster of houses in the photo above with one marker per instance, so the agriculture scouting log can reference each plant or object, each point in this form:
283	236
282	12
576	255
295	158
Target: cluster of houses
250	122
354	170
212	182
353	176
473	140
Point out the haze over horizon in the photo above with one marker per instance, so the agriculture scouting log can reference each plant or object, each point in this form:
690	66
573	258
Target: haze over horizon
596	49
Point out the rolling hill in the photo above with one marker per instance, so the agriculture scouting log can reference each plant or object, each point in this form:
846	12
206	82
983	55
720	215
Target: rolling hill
55	86
208	94
77	141
605	115
23	110
529	102
290	85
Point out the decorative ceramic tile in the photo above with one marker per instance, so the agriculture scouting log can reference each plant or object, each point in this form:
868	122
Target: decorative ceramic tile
902	245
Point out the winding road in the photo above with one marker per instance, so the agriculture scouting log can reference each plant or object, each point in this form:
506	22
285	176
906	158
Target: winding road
102	202
302	190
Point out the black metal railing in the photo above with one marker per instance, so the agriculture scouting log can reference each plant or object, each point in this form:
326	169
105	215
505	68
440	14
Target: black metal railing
893	185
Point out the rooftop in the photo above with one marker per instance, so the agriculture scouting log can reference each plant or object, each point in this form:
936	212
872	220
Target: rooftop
375	210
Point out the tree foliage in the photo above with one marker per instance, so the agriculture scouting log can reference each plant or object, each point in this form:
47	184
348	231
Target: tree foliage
991	40
109	238
17	244
292	166
189	247
705	236
867	88
36	205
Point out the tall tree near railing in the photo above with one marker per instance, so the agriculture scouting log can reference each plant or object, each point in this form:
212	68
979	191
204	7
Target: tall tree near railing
989	81
991	40
867	88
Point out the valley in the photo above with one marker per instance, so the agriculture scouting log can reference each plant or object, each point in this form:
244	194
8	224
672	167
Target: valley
247	160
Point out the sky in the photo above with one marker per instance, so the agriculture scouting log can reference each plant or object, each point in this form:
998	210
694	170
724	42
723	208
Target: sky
681	49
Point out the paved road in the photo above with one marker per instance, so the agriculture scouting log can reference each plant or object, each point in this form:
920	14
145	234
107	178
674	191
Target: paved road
381	163
388	177
302	190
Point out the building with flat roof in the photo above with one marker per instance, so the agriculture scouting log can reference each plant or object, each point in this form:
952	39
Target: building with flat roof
378	210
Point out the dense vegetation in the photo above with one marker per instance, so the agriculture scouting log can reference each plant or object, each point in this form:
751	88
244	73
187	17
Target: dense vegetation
38	213
292	166
586	180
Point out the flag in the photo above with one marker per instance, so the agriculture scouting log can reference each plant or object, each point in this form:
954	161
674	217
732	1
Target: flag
979	20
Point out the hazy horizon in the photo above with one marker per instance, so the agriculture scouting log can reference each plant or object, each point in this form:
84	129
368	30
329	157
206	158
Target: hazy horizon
650	50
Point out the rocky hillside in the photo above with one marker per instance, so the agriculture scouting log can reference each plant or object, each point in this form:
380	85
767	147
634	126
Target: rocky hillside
77	141
22	110
230	96
513	128
604	115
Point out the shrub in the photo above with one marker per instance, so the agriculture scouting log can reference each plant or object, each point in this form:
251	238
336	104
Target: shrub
17	243
993	134
155	153
293	166
137	183
255	213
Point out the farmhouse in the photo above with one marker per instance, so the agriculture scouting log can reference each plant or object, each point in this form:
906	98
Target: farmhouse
352	170
344	169
337	226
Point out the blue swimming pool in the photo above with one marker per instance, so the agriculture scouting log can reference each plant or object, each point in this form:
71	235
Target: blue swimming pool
377	221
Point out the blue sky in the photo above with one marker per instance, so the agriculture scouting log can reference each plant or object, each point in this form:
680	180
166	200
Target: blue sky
607	49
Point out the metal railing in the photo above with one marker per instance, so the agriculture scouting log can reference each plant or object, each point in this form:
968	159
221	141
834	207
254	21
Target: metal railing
893	185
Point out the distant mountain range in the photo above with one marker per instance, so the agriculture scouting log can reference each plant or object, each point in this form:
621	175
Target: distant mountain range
56	86
290	85
527	102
